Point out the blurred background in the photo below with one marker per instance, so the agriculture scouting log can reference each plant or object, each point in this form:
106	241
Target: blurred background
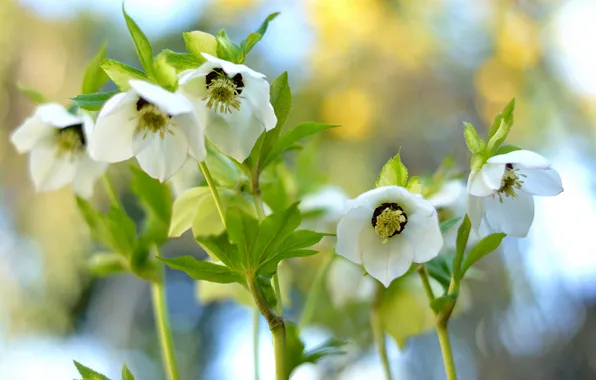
399	76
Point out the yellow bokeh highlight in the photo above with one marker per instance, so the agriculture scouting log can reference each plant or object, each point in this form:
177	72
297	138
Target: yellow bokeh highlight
518	41
497	82
352	109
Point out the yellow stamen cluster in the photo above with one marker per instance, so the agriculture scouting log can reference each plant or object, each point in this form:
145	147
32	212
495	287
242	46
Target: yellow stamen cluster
389	222
153	120
223	93
70	141
510	183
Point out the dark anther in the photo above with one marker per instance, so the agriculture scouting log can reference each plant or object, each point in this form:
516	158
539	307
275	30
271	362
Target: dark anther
509	166
213	75
76	128
238	82
141	103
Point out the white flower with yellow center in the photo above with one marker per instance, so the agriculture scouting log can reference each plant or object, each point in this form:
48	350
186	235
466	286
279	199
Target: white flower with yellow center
58	143
158	127
386	229
500	194
233	103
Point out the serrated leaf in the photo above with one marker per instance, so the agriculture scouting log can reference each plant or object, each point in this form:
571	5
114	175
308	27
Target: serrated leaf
274	229
34	95
95	77
485	246
164	73
198	42
413	185
95	101
88	373
142	45
219	248
473	141
204	270
120	73
226	49
446	225
181	61
497	136
126	374
393	173
249	43
106	263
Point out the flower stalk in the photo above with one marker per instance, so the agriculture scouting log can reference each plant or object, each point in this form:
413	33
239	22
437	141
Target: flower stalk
377	329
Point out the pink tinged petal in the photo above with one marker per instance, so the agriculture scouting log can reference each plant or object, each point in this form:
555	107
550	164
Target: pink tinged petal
348	233
171	103
522	158
541	182
385	260
476	210
56	115
48	171
424	234
87	173
112	136
189	124
513	216
31	133
161	158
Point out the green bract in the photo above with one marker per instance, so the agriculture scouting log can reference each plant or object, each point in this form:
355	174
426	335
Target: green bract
395	173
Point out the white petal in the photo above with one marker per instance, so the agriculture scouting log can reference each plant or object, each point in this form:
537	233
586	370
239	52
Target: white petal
161	158
514	216
190	125
345	282
476	185
55	114
256	92
424	234
476	210
48	171
169	102
111	140
387	260
87	172
542	182
193	85
32	132
230	68
348	233
486	181
88	126
385	194
523	158
449	193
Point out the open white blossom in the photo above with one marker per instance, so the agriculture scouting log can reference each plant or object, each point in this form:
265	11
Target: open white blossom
500	194
58	143
450	202
159	127
386	229
233	103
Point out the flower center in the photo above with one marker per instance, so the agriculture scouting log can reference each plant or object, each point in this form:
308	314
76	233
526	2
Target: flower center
223	92
70	140
152	119
389	219
510	182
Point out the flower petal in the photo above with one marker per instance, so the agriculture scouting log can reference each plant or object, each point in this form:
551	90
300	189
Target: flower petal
477	186
384	194
190	125
523	158
256	92
171	103
32	132
87	172
230	68
449	193
56	115
385	260
542	182
48	171
424	234
161	158
348	233
116	123
486	181
513	216
476	210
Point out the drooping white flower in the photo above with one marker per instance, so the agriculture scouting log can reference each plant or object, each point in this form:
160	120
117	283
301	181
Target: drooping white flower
386	229
58	143
233	103
159	127
500	194
347	283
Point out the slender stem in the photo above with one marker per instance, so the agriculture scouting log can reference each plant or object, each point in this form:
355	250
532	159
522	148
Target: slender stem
314	294
377	329
423	272
279	348
255	342
446	350
280	306
110	191
258	205
213	188
158	294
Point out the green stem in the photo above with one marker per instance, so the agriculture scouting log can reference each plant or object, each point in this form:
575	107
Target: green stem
314	294
213	189
158	294
378	333
446	350
423	272
279	349
110	191
280	306
255	343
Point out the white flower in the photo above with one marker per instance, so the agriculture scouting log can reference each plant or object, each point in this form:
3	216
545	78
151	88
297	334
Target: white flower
328	204
386	229
450	202
232	102
159	127
500	194
58	143
347	282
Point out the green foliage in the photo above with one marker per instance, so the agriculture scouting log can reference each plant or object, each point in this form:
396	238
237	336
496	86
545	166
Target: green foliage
142	45
164	73
198	42
504	149
181	61
34	95
205	270
440	269
120	73
126	374
500	128
106	263
446	225
296	354
463	234
249	43
94	101
481	249
443	303
226	49
95	77
393	173
88	373
474	142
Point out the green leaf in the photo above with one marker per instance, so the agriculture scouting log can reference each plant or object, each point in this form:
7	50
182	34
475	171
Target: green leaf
95	77
107	263
226	49
274	229
198	42
292	246
165	74
504	149
126	374
249	43
156	200
446	225
443	303
34	95
242	230
463	234
95	101
393	173
88	373
219	248
204	270
413	185
481	249
497	136
478	160
474	142
142	45
439	268
181	61
120	73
